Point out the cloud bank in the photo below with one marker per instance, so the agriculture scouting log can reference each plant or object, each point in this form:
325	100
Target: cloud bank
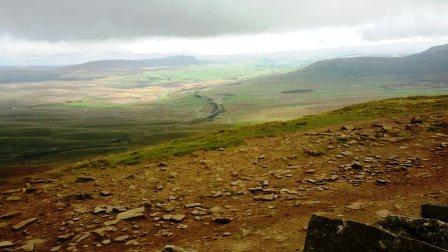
74	20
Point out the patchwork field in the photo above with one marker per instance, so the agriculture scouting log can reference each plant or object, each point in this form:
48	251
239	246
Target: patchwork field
46	122
280	98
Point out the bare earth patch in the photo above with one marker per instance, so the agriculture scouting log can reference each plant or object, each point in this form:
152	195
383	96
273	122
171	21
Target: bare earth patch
258	196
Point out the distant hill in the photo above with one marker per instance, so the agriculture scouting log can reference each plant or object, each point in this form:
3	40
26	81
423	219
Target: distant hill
89	70
121	64
431	61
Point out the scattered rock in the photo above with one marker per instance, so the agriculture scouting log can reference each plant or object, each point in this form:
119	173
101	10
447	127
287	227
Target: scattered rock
121	238
221	219
268	197
101	232
10	215
416	120
56	248
111	222
356	165
173	217
64	237
382	181
78	196
347	127
82	237
105	242
172	248
105	193
4	244
132	243
131	214
13	198
30	244
333	177
191	205
24	223
84	179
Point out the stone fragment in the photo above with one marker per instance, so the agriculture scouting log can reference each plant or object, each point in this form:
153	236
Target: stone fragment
221	219
30	244
4	244
191	205
132	243
10	215
24	223
82	237
131	214
101	232
56	248
105	242
356	165
121	238
382	181
105	193
268	197
173	217
84	179
111	222
13	198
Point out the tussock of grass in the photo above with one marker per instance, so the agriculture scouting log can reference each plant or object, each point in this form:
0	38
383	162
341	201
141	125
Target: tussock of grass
236	136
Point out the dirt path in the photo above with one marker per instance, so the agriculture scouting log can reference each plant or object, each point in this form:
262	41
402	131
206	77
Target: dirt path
258	196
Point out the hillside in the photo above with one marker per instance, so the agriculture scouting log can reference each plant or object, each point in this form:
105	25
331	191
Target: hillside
89	70
248	188
120	64
431	61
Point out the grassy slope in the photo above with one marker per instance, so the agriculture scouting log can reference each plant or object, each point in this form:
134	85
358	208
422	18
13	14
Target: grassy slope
235	136
73	132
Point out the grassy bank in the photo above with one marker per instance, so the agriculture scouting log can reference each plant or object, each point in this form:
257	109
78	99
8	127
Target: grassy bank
236	136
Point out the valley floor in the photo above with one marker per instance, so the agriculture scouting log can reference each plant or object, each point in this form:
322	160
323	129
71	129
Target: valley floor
252	197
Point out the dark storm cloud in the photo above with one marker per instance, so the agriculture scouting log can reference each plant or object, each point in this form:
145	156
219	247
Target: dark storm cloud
55	20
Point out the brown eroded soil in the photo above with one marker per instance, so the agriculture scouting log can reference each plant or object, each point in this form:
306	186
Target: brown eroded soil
266	189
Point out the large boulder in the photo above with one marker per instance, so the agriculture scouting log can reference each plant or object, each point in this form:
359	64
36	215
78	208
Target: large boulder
432	231
431	211
334	235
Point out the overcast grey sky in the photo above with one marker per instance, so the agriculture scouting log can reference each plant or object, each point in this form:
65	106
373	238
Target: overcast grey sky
82	27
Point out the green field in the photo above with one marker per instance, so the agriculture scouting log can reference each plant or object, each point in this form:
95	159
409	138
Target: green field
52	122
237	135
42	129
276	97
209	73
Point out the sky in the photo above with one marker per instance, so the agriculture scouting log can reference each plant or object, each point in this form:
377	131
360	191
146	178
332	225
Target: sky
73	31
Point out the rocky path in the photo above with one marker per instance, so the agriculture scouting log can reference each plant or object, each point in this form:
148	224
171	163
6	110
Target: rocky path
258	196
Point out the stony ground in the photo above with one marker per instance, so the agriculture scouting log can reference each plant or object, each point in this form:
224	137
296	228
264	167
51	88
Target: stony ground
258	196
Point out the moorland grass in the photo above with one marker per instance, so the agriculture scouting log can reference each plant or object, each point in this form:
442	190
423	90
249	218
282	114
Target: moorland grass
237	135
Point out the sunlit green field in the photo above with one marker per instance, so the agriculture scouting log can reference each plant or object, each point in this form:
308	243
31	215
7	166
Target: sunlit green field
51	122
108	115
279	98
210	73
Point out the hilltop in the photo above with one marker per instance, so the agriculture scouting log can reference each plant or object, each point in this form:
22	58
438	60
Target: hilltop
247	188
121	64
90	70
432	61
